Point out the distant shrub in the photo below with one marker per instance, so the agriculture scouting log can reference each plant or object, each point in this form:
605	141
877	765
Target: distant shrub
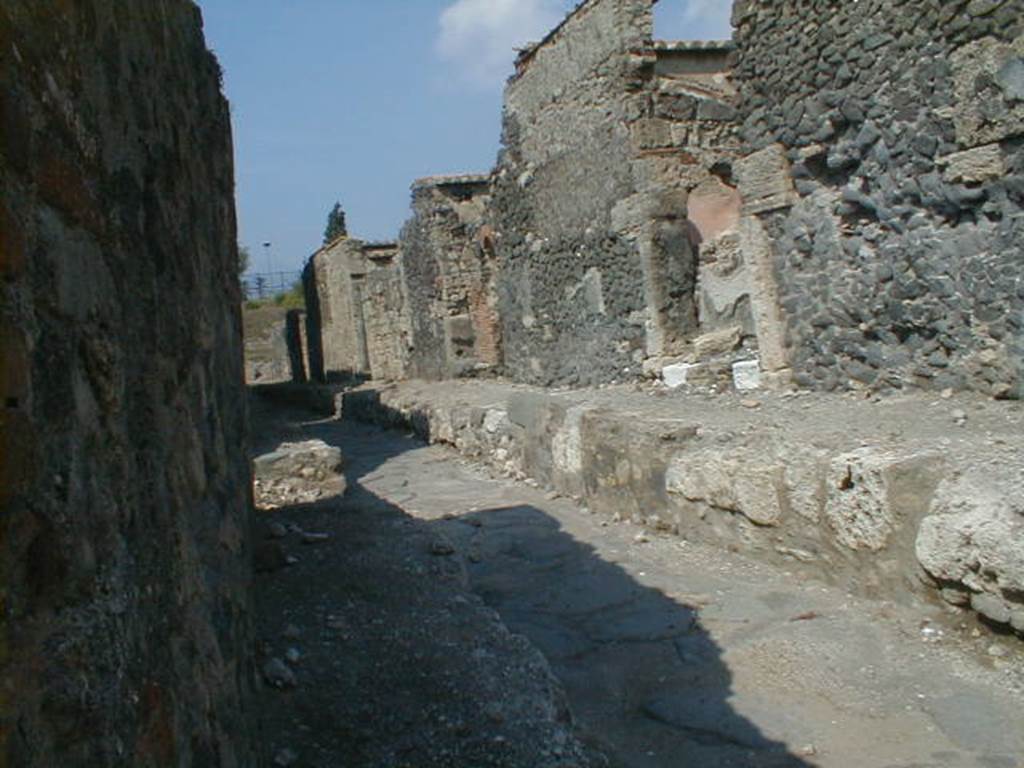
293	298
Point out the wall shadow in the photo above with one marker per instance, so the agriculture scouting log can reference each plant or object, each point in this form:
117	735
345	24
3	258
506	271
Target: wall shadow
645	681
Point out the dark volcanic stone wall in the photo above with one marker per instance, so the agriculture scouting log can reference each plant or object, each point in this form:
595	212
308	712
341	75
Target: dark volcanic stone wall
571	292
899	263
124	485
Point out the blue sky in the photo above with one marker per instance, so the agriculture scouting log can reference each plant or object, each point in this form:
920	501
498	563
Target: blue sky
350	100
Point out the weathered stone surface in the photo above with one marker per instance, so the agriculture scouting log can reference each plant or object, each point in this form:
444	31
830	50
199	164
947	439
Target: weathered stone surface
717	343
972	539
125	564
871	495
566	130
746	375
988	78
357	321
677	374
897	264
832	485
607	139
737	483
274	344
765	182
976	165
311	460
447	255
297	473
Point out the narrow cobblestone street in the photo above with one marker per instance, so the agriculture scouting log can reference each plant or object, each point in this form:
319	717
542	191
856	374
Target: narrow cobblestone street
670	653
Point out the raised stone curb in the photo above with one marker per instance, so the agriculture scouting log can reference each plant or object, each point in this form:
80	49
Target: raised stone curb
866	515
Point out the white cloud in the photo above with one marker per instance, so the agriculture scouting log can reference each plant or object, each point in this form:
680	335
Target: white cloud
479	36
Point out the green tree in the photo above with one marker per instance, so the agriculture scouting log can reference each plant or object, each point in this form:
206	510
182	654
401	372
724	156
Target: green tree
335	224
243	259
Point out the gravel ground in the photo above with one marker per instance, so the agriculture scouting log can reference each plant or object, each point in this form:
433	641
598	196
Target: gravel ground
374	652
454	618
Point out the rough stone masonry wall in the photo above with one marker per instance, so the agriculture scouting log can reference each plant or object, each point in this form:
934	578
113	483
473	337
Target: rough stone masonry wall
124	552
274	349
712	313
356	320
337	346
383	313
893	215
449	278
572	289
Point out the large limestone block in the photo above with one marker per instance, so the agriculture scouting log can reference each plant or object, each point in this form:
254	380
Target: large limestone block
975	538
742	483
872	493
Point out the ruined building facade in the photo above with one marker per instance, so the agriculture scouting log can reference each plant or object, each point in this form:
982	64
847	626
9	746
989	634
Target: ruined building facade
896	247
831	200
124	484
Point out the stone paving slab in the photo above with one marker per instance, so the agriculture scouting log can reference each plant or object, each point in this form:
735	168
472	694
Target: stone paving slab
679	654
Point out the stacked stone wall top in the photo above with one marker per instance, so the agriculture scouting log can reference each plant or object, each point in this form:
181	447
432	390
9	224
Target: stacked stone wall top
900	132
125	635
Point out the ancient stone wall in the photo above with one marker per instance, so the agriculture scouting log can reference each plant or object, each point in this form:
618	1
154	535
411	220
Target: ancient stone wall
124	484
832	200
708	313
333	283
356	314
615	207
274	344
887	186
447	262
571	294
384	313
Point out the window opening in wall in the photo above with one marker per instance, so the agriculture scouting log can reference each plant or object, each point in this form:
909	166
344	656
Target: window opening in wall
692	19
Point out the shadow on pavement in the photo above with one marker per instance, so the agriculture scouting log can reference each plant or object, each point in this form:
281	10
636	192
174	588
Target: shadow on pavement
645	682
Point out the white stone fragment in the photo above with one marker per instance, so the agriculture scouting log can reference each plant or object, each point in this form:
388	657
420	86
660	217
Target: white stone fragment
746	375
675	375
